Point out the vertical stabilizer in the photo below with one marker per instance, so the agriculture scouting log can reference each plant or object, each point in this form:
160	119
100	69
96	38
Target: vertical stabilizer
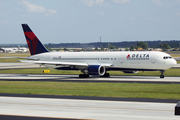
35	46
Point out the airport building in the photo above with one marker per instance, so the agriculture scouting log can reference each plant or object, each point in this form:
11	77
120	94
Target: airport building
14	49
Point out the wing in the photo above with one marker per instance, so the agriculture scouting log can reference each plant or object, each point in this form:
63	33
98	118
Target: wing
66	63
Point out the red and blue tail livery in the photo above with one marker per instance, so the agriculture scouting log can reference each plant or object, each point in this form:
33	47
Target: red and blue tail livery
35	46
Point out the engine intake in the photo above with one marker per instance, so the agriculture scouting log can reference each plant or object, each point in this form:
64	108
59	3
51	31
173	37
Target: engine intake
96	70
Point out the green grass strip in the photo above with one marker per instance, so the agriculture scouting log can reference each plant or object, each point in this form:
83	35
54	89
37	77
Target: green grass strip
15	54
129	90
8	60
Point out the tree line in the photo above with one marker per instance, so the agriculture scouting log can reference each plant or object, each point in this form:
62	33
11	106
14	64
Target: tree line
130	45
124	44
144	46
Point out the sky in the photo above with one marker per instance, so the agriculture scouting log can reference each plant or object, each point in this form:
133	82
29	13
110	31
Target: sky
84	21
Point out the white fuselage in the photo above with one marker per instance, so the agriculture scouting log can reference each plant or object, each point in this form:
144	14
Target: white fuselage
130	60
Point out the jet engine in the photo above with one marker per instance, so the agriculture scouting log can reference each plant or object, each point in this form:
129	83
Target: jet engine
127	71
96	70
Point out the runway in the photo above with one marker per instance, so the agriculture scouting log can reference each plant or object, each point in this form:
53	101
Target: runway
75	78
86	109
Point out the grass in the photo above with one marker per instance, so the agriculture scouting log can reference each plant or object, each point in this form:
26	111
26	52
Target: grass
130	90
175	55
173	52
12	60
9	60
38	71
15	54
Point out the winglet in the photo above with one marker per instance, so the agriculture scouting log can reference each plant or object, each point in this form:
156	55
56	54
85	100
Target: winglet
34	44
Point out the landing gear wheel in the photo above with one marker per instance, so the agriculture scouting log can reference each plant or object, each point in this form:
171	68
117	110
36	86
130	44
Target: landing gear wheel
83	76
162	74
106	75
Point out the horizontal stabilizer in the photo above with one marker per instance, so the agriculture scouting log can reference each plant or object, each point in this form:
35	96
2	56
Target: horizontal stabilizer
27	58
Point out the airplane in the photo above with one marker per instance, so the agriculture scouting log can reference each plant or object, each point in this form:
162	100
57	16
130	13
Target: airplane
96	63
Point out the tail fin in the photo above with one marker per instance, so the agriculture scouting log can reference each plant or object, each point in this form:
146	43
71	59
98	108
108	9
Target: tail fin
35	46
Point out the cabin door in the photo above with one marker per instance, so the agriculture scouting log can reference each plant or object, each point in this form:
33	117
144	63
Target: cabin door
153	60
121	60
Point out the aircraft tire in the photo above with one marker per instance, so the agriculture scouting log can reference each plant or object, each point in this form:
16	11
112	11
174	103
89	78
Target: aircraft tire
83	76
106	75
161	76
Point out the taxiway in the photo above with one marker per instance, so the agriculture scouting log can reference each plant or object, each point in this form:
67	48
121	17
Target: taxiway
75	78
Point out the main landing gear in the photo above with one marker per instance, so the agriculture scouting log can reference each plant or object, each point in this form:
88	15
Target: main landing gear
162	74
83	75
106	75
87	75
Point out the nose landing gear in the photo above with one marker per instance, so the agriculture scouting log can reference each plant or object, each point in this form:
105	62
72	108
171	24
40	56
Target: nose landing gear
162	74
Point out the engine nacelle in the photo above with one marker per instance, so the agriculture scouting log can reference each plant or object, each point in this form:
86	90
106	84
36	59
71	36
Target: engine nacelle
96	70
127	71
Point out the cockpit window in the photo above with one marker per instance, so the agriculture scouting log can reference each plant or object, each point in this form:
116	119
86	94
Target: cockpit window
167	57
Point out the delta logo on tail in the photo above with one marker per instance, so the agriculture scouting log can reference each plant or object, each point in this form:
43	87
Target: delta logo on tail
138	57
33	42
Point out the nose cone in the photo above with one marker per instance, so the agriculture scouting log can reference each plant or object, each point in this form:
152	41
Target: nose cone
170	63
173	62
